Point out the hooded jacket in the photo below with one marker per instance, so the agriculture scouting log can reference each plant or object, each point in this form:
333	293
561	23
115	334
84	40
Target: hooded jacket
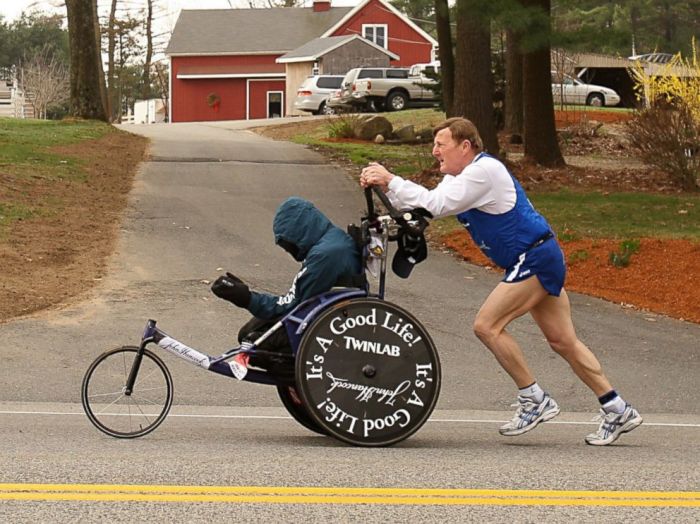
327	253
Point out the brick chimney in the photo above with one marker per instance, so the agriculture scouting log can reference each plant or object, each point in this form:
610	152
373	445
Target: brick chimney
321	5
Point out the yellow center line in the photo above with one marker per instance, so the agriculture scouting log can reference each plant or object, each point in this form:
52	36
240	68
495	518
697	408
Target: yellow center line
331	495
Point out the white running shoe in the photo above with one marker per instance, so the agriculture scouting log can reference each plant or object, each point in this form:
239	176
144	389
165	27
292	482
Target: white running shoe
612	425
529	414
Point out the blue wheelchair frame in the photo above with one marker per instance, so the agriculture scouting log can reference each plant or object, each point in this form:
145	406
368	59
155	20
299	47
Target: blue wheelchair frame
295	323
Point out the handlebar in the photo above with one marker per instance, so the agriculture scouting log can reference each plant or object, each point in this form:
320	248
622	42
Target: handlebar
413	222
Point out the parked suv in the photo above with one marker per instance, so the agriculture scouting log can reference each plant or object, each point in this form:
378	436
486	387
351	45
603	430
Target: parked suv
312	93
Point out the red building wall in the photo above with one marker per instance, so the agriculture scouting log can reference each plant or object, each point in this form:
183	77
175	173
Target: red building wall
189	96
258	96
405	41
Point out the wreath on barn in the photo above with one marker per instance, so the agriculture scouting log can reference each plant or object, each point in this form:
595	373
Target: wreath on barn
213	101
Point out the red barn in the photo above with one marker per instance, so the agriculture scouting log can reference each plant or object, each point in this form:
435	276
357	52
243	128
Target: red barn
223	63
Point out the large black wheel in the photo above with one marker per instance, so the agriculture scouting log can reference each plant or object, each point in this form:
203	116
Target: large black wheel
292	401
368	372
120	413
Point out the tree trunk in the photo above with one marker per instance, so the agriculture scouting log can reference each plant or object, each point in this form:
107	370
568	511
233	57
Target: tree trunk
87	83
514	87
541	143
111	74
445	54
473	98
146	91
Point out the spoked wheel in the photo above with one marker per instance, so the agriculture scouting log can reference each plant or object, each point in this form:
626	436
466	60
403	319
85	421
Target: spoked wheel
292	401
120	413
368	372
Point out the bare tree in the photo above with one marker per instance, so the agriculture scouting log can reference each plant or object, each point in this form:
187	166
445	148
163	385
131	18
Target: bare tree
44	79
146	79
161	73
87	83
562	66
110	34
121	37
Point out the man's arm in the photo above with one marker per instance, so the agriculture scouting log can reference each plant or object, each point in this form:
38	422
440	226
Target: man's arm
454	194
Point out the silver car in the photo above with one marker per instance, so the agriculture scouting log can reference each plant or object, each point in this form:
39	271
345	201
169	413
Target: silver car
573	91
312	93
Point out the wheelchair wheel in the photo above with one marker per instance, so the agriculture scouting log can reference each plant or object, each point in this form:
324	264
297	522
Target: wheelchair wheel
292	401
368	372
111	409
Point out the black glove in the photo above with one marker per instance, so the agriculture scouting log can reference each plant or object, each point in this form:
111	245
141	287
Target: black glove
231	288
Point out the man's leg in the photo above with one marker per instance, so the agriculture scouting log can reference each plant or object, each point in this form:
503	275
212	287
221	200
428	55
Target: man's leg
506	303
553	316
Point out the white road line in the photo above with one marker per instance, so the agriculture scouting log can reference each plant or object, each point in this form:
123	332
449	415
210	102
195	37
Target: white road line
282	417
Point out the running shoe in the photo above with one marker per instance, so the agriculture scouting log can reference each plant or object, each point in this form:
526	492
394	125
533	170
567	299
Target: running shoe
612	425
529	414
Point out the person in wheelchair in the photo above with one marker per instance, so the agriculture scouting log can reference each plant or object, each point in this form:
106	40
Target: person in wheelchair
329	258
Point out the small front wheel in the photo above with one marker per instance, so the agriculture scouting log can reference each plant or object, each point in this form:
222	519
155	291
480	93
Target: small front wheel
121	413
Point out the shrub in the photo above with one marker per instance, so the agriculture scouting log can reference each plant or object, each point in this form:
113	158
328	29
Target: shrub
668	137
343	125
627	249
666	133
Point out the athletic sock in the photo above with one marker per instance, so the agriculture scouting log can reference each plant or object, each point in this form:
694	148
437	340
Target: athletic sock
612	402
533	391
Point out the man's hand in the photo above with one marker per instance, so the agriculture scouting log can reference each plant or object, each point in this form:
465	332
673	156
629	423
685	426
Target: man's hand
375	175
231	288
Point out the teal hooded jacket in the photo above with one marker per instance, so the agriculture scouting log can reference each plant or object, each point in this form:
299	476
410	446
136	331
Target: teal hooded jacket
327	253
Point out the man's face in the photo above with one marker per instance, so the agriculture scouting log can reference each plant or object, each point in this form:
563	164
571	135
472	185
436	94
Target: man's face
453	156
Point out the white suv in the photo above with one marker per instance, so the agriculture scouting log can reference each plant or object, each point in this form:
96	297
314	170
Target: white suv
312	93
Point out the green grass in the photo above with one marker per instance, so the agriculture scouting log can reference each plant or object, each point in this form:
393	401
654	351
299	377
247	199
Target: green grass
50	132
26	156
25	146
585	109
621	215
10	212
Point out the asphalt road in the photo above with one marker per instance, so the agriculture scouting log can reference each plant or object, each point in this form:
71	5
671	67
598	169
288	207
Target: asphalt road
203	204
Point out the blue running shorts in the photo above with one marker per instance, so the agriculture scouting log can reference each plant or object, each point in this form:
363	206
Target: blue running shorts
546	261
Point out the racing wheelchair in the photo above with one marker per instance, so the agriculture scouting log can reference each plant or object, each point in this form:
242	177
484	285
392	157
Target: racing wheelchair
362	370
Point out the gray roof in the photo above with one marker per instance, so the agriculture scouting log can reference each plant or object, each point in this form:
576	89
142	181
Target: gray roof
242	31
318	46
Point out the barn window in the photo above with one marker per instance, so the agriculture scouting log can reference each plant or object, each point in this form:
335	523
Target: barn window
377	33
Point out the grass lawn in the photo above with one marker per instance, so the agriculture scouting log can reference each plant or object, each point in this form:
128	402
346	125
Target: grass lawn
28	157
